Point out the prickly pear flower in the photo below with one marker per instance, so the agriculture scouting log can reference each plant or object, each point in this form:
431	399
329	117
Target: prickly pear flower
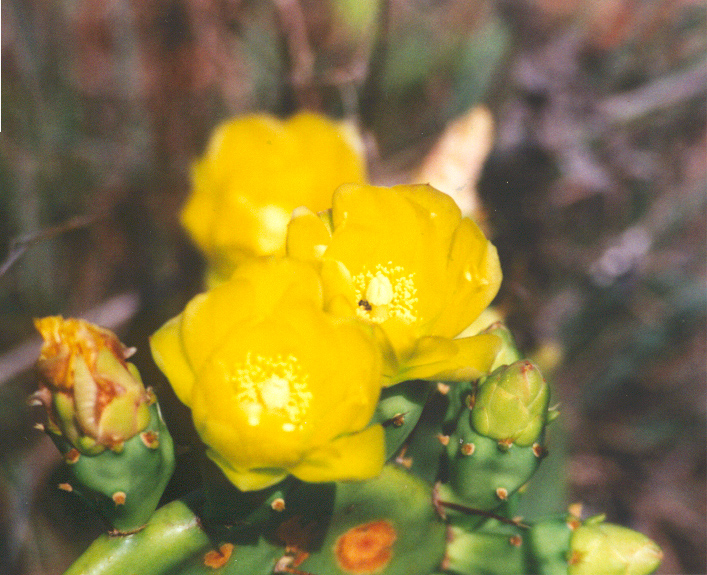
93	397
404	259
255	171
276	385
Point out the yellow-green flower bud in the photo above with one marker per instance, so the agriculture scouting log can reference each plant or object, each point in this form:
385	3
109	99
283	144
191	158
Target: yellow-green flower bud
511	404
611	550
93	397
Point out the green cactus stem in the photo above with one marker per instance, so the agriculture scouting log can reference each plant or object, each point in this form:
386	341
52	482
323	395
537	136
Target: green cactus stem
175	542
386	525
492	549
481	473
547	545
399	410
124	486
172	535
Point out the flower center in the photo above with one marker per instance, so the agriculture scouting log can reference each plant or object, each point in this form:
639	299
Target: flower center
275	384
386	292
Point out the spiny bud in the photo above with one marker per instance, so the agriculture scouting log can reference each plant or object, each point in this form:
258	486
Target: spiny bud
93	397
511	404
612	550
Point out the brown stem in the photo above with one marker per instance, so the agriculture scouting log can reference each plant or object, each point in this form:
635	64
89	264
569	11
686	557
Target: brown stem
482	513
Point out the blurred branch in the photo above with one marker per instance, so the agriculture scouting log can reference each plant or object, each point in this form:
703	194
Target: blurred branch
371	91
660	94
294	29
19	245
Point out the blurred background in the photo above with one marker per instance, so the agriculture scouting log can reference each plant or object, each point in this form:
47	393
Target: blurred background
594	192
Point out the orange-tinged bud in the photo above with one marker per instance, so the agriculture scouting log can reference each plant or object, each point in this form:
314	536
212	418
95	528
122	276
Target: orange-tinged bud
93	397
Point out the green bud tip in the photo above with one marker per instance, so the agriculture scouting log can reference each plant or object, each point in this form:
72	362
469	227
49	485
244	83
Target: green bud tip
511	404
597	547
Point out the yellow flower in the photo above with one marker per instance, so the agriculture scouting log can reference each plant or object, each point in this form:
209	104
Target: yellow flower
404	259
255	171
92	395
276	386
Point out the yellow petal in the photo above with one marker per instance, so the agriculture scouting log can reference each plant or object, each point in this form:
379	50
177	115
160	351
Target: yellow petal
307	235
247	479
169	355
473	278
339	293
349	458
207	319
255	171
474	358
443	359
439	207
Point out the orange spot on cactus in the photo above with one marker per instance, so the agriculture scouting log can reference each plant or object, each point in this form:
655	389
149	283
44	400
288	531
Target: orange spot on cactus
502	493
443	439
72	456
468	448
470	401
366	549
516	540
575	509
218	557
526	366
65	487
505	444
278	504
539	451
119	497
398	420
575	557
150	439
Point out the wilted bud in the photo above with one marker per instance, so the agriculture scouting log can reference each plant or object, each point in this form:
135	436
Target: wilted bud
93	397
511	404
611	550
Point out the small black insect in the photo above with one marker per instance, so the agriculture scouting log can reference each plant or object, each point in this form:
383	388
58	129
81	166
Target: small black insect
364	304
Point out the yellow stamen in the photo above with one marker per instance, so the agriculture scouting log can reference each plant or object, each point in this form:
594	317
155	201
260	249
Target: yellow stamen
274	384
386	292
379	290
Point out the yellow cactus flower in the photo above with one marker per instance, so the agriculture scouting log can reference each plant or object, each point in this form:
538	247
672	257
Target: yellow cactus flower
93	397
404	259
276	385
255	171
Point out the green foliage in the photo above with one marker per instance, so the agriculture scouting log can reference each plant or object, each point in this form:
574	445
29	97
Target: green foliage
399	410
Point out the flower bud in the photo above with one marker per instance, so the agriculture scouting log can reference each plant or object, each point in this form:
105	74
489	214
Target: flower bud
611	549
93	397
511	404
